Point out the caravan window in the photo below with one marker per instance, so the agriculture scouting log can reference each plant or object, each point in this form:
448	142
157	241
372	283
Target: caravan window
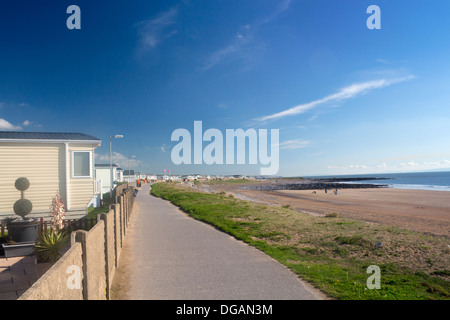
81	164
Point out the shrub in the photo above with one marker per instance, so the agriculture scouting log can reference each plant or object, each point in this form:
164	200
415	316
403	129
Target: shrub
331	215
50	246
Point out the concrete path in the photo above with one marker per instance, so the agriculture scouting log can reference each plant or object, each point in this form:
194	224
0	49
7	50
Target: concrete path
169	255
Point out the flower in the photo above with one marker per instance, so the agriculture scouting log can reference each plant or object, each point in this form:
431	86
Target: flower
58	212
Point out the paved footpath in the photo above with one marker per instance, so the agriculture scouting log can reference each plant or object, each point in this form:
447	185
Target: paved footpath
170	256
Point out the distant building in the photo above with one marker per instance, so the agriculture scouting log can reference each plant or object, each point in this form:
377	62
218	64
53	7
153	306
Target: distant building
129	176
103	173
119	175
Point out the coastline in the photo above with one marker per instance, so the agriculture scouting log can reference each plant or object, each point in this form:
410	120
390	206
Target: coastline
330	252
425	211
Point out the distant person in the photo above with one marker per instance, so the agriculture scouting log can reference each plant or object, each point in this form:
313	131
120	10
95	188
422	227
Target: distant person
325	190
335	192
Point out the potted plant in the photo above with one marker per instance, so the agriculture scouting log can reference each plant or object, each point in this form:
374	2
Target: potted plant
23	229
22	232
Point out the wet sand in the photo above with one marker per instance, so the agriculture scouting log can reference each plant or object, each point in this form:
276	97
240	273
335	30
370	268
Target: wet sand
419	210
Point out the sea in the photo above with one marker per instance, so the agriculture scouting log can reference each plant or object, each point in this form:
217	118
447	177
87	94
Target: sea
435	180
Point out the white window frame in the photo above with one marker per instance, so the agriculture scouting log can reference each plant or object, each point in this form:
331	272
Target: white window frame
73	165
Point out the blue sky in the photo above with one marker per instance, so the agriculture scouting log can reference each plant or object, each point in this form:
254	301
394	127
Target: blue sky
346	99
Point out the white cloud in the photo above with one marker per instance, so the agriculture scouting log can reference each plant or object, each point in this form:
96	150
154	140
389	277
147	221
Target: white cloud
343	94
238	49
5	125
316	154
26	123
383	165
243	45
352	166
294	144
408	166
119	159
154	30
163	148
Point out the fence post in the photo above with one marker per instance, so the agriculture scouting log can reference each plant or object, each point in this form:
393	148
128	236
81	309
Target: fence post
80	236
125	212
120	218
109	261
116	232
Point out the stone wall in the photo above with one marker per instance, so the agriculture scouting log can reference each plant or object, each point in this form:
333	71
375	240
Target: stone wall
86	270
53	285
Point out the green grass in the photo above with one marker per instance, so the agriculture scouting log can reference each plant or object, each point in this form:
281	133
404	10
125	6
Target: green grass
93	212
332	254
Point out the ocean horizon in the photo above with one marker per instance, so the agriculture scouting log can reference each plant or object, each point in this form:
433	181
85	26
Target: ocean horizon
434	180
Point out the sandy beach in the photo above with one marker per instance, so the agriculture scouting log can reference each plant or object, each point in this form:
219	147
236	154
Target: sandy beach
419	210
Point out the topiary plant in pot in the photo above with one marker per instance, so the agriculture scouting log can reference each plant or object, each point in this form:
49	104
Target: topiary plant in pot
23	229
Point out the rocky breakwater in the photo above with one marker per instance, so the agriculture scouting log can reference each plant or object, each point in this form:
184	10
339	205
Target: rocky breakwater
317	184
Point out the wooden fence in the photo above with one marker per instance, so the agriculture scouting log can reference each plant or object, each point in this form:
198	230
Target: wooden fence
2	229
70	225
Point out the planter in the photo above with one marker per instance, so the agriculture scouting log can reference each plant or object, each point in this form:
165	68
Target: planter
3	240
23	230
18	249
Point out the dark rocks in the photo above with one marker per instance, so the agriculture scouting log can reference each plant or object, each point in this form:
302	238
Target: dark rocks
318	184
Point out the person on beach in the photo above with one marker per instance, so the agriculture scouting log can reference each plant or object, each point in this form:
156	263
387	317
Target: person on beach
335	192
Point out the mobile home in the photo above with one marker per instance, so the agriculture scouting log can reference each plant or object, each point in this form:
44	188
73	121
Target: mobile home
52	162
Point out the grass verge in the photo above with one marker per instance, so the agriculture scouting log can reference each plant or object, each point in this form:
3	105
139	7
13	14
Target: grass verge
332	253
93	212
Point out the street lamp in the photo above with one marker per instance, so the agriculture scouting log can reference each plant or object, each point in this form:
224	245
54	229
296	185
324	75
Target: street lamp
117	136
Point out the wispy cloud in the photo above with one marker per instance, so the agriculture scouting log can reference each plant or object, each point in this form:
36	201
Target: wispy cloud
119	159
294	144
238	49
243	45
7	126
316	154
343	94
163	148
154	30
352	166
411	165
